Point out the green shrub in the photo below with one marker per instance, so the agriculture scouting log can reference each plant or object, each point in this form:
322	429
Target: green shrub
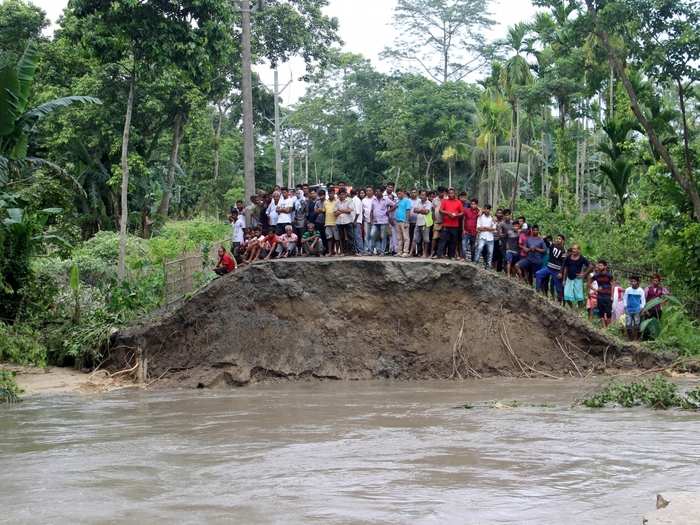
676	331
658	393
21	344
82	344
9	391
178	237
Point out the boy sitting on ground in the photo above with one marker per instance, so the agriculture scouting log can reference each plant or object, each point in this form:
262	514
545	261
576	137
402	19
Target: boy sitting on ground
252	246
268	245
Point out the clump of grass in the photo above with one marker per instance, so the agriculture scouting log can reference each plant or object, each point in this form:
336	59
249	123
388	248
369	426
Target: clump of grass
9	391
657	393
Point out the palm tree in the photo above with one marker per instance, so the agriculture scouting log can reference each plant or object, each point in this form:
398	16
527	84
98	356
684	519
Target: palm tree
492	116
514	76
620	168
17	121
452	142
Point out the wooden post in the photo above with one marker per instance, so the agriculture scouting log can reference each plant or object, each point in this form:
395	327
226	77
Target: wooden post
142	370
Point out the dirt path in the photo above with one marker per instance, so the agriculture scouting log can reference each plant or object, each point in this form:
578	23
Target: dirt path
56	380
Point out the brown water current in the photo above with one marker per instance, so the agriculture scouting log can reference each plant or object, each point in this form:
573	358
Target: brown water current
341	453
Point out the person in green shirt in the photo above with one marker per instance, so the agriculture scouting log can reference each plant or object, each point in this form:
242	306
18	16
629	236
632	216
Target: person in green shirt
311	241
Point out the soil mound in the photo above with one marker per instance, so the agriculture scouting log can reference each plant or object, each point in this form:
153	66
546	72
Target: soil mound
363	318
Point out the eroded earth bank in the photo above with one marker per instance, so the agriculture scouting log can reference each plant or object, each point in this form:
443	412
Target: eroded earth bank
362	318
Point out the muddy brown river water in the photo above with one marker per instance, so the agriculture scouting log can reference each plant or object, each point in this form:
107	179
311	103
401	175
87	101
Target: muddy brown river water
341	453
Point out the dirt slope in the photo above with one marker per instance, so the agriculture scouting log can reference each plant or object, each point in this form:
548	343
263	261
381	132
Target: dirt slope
362	318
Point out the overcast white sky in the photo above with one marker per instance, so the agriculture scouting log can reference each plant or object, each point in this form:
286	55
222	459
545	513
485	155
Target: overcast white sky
365	27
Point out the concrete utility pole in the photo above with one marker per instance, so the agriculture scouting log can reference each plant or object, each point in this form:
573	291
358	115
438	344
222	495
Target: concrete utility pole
306	161
247	87
279	176
290	174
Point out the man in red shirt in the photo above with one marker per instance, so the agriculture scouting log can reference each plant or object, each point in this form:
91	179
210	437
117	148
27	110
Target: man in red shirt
471	215
452	211
226	263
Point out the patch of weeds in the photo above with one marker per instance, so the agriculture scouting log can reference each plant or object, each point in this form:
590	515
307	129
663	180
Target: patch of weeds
9	391
657	393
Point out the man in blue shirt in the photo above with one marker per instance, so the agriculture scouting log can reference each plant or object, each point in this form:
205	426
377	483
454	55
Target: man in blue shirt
634	300
402	216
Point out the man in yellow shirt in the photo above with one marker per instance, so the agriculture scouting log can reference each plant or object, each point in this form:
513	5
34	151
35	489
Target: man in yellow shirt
332	234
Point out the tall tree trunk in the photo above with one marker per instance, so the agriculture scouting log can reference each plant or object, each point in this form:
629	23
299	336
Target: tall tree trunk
428	165
584	162
217	141
514	193
577	180
164	206
686	182
684	124
279	179
124	220
611	102
544	172
290	167
449	174
247	89
306	161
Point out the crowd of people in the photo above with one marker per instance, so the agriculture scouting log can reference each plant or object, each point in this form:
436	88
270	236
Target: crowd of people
343	221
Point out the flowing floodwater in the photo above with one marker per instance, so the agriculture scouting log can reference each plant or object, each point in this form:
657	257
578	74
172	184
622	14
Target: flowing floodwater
365	452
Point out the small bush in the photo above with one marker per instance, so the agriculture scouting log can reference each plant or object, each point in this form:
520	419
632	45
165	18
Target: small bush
20	344
9	391
676	331
658	393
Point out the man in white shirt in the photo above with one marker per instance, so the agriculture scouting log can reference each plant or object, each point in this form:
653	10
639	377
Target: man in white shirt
367	220
285	211
356	222
237	236
344	211
485	228
421	234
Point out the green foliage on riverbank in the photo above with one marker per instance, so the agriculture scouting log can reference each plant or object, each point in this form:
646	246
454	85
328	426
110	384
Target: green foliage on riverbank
658	393
9	391
19	344
47	329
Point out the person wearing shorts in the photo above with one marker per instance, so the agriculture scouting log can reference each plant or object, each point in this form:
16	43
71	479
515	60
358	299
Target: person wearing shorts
574	268
331	228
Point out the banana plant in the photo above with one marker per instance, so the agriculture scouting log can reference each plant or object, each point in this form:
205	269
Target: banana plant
17	120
